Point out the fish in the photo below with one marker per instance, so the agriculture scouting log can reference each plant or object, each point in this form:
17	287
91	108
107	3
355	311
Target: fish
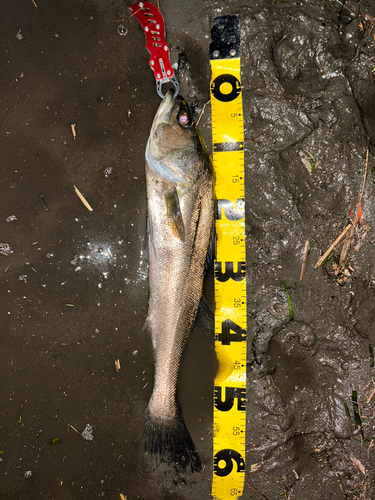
180	209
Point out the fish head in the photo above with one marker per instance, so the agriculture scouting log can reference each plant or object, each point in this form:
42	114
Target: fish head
175	148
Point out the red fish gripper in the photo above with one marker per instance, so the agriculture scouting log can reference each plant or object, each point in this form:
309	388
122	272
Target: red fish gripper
152	22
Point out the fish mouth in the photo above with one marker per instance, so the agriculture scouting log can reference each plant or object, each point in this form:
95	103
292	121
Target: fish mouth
164	112
153	156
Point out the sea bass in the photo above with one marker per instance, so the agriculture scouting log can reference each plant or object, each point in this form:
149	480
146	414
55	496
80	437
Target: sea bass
180	220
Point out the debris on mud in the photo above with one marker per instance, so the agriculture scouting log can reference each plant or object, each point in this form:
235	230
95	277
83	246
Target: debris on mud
87	433
54	440
73	128
83	199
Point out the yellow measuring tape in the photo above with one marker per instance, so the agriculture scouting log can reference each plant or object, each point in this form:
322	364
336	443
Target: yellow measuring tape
229	441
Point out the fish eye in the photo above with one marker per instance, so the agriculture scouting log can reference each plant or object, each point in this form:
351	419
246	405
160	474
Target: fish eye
184	119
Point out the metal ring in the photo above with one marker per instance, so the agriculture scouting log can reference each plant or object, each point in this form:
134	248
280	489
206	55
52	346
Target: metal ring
174	82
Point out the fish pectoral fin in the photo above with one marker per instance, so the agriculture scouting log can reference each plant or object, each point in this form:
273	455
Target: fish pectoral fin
174	215
211	252
205	317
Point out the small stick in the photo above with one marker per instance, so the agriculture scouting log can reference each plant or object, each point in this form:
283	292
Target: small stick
345	249
83	199
74	429
371	396
360	243
247	484
23	404
204	107
73	127
369	448
371	382
364	179
34	4
304	259
331	247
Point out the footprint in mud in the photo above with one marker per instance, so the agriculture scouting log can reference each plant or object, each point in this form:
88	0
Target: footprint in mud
290	356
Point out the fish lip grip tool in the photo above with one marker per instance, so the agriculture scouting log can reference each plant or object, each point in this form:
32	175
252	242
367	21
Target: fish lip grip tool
153	25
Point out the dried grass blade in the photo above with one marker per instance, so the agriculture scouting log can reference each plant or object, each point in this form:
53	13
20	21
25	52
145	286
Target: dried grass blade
344	252
201	114
358	464
370	397
83	199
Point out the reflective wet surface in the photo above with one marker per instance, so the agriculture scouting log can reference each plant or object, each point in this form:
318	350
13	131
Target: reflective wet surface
74	282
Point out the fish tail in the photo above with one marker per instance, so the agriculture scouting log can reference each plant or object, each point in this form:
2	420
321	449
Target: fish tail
170	442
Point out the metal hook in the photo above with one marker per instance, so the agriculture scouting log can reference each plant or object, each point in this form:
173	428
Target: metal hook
174	82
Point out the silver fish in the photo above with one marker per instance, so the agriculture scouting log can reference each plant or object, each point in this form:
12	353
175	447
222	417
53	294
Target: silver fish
180	220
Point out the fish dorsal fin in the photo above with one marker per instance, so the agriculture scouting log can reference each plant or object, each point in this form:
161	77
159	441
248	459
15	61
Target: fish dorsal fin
174	215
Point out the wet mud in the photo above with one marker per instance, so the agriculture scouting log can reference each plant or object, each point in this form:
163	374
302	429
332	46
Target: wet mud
74	283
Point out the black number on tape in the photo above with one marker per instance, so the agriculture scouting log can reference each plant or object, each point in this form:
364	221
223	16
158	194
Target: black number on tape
227	456
229	211
230	394
229	96
226	337
229	273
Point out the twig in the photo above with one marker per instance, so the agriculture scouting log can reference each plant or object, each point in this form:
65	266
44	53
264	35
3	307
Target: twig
23	404
304	259
204	107
363	184
83	199
369	448
344	252
332	246
247	484
371	396
34	4
74	429
371	382
361	241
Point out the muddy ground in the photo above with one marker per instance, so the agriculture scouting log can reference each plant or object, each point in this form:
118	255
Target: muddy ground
74	283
